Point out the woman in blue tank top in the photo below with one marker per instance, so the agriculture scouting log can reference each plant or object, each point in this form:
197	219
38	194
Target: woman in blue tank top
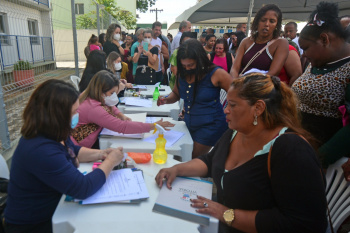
198	83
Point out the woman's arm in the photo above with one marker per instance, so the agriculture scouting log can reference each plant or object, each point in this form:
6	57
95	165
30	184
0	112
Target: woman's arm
165	52
120	49
222	79
195	167
293	66
279	56
137	54
152	57
171	98
236	66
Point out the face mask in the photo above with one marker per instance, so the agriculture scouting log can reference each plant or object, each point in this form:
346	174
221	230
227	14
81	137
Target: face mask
117	66
116	37
147	40
75	120
190	72
111	100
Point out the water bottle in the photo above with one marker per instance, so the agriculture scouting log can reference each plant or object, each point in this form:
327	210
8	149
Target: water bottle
156	94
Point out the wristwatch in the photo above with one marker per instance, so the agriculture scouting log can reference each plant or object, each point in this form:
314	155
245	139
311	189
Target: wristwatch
229	216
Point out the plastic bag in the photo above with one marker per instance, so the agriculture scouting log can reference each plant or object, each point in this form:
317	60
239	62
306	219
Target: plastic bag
140	157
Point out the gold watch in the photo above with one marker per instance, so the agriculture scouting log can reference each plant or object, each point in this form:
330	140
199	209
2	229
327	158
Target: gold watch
229	216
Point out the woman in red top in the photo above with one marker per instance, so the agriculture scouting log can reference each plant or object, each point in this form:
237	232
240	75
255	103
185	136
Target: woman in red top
127	57
221	57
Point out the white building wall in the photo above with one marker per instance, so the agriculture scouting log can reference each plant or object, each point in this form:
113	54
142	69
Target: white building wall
20	47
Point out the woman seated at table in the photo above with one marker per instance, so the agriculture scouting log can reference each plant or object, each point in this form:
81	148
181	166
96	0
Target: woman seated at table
265	31
147	61
44	165
220	56
289	199
115	64
97	110
198	83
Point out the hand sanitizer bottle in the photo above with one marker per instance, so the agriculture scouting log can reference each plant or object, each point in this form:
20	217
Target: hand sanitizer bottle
160	155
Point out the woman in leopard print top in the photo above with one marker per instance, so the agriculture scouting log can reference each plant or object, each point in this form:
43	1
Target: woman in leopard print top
322	88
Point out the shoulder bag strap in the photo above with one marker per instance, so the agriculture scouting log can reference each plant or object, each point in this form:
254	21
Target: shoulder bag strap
257	55
269	172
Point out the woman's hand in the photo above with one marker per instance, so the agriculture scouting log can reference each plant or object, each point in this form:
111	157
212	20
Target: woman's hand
166	174
346	169
161	100
140	49
115	156
165	124
129	85
211	207
125	118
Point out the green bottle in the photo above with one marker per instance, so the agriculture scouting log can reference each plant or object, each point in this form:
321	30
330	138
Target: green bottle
156	94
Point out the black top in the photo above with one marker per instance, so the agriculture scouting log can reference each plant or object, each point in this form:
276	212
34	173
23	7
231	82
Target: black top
292	200
108	47
143	60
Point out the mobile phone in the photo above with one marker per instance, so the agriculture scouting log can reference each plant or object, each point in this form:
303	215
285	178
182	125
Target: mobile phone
161	89
145	46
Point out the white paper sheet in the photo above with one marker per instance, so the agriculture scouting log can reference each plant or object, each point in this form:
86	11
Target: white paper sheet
121	185
151	119
139	102
170	136
140	87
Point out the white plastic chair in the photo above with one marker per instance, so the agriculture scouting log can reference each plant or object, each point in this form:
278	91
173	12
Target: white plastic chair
75	80
4	170
338	193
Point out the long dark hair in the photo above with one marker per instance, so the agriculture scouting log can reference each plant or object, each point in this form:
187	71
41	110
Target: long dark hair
260	14
193	49
49	111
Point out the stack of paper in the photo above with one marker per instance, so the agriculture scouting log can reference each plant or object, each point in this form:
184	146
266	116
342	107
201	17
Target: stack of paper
140	117
170	136
122	185
176	202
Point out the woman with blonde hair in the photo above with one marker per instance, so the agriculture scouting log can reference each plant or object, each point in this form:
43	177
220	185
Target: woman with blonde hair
119	68
113	37
97	110
267	175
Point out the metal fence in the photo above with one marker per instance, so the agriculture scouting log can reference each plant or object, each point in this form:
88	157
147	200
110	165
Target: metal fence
31	48
49	54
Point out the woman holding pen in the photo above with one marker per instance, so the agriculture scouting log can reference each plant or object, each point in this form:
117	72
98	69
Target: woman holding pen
44	165
199	82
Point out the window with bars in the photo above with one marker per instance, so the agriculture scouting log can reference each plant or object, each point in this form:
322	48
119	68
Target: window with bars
33	31
79	8
4	38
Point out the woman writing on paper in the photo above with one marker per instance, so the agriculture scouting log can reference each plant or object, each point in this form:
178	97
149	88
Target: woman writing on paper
292	198
97	110
198	83
44	165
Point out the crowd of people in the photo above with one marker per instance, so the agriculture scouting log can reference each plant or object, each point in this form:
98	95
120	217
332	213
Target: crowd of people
266	147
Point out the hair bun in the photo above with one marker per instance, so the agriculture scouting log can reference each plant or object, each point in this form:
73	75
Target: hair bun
326	11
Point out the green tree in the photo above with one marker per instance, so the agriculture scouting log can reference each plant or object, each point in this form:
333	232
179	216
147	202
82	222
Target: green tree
88	20
143	5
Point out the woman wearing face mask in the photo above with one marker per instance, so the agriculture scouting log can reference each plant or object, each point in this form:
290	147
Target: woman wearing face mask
113	37
44	165
97	110
198	83
119	68
146	58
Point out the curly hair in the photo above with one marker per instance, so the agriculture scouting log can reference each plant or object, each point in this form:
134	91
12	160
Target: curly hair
260	14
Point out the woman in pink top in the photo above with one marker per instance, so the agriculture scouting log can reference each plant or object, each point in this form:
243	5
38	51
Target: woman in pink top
221	57
97	110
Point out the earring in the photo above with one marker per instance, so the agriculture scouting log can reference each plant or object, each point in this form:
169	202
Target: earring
255	122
